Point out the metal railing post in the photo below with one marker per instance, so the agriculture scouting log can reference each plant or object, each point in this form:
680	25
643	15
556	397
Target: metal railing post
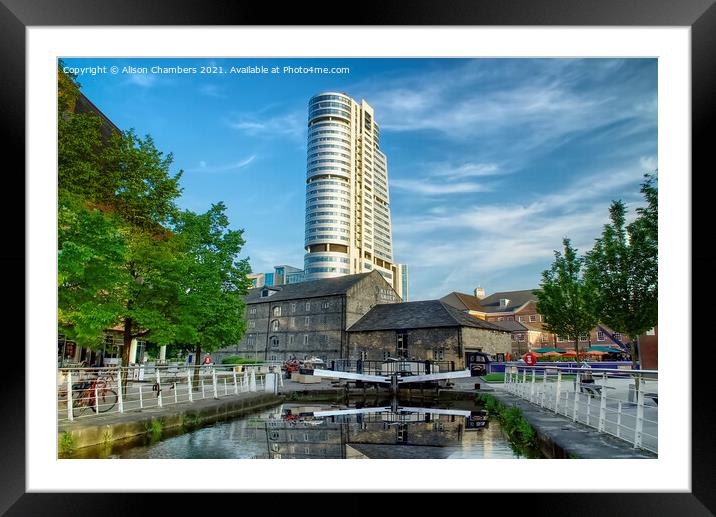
532	387
176	395
226	390
188	383
141	402
576	403
556	396
159	387
70	416
544	388
236	386
589	406
203	394
213	381
120	399
639	418
96	399
619	419
603	405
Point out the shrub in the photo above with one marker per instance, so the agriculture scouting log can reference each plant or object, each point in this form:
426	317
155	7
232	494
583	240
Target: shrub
235	359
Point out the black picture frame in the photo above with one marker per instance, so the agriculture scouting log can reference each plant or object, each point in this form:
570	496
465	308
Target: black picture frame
699	15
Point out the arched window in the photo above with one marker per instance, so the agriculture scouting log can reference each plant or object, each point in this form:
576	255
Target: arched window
277	311
274	326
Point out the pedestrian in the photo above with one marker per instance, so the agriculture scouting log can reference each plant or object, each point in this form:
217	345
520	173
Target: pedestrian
208	359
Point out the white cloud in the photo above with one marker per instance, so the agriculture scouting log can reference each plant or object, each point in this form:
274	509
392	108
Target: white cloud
212	90
292	125
431	189
204	167
143	80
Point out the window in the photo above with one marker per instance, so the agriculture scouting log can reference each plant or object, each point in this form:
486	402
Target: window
326	305
401	345
274	341
439	353
583	337
293	307
252	324
290	339
520	337
305	339
521	318
544	338
307	320
277	311
308	306
252	310
251	339
386	354
600	336
274	326
617	336
533	318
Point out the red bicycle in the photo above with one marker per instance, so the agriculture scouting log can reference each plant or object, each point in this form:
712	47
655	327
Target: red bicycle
93	394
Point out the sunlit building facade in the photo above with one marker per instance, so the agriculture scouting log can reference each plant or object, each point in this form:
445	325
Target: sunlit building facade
348	226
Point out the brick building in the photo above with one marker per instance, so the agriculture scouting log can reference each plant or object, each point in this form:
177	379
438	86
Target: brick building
423	330
517	311
307	319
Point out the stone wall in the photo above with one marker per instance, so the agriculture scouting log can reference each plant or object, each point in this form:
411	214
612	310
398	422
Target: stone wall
423	344
488	341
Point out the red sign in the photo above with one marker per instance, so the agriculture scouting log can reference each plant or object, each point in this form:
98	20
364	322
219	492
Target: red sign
530	359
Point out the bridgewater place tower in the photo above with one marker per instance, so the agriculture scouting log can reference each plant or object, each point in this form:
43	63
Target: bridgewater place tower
348	227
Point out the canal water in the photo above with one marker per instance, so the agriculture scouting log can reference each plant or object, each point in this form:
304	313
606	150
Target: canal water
386	430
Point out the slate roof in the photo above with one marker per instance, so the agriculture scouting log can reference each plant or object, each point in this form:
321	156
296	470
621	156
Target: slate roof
309	289
415	315
517	299
462	301
512	326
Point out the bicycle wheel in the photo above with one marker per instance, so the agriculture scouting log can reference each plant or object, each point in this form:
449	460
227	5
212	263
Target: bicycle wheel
106	399
79	402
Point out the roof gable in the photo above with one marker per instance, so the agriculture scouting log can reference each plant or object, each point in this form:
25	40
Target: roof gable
413	315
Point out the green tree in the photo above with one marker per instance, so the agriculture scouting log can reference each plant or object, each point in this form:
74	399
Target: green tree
91	253
125	182
565	299
211	305
623	266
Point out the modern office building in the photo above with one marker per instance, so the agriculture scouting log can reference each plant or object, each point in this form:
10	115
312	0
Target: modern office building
348	228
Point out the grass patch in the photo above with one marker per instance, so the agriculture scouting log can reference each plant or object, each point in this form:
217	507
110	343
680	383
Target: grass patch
66	443
522	436
154	429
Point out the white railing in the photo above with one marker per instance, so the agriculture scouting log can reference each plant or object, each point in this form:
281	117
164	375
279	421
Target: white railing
87	392
622	403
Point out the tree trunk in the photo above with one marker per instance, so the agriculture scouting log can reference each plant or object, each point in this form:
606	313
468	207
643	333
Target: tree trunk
576	347
127	341
197	366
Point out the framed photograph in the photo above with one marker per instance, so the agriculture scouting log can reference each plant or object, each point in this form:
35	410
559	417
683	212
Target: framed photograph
493	133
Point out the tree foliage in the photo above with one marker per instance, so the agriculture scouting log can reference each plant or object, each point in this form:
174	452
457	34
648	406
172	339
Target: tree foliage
565	299
211	305
623	266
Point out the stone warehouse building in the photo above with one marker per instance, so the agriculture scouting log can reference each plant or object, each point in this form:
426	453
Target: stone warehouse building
424	330
297	321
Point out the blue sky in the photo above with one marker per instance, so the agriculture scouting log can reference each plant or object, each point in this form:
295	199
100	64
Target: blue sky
491	162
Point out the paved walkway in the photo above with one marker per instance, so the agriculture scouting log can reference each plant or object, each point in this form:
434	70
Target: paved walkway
575	439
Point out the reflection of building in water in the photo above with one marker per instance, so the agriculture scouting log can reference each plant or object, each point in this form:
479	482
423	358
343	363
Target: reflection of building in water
369	435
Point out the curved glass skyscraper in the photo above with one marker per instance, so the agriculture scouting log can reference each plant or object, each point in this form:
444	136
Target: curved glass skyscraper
348	226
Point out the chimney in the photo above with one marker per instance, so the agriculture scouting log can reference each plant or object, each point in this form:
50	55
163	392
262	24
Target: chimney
504	302
479	293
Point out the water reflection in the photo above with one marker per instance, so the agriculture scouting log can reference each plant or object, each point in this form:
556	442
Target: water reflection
323	431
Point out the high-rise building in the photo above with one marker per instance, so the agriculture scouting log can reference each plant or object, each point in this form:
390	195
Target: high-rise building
348	229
